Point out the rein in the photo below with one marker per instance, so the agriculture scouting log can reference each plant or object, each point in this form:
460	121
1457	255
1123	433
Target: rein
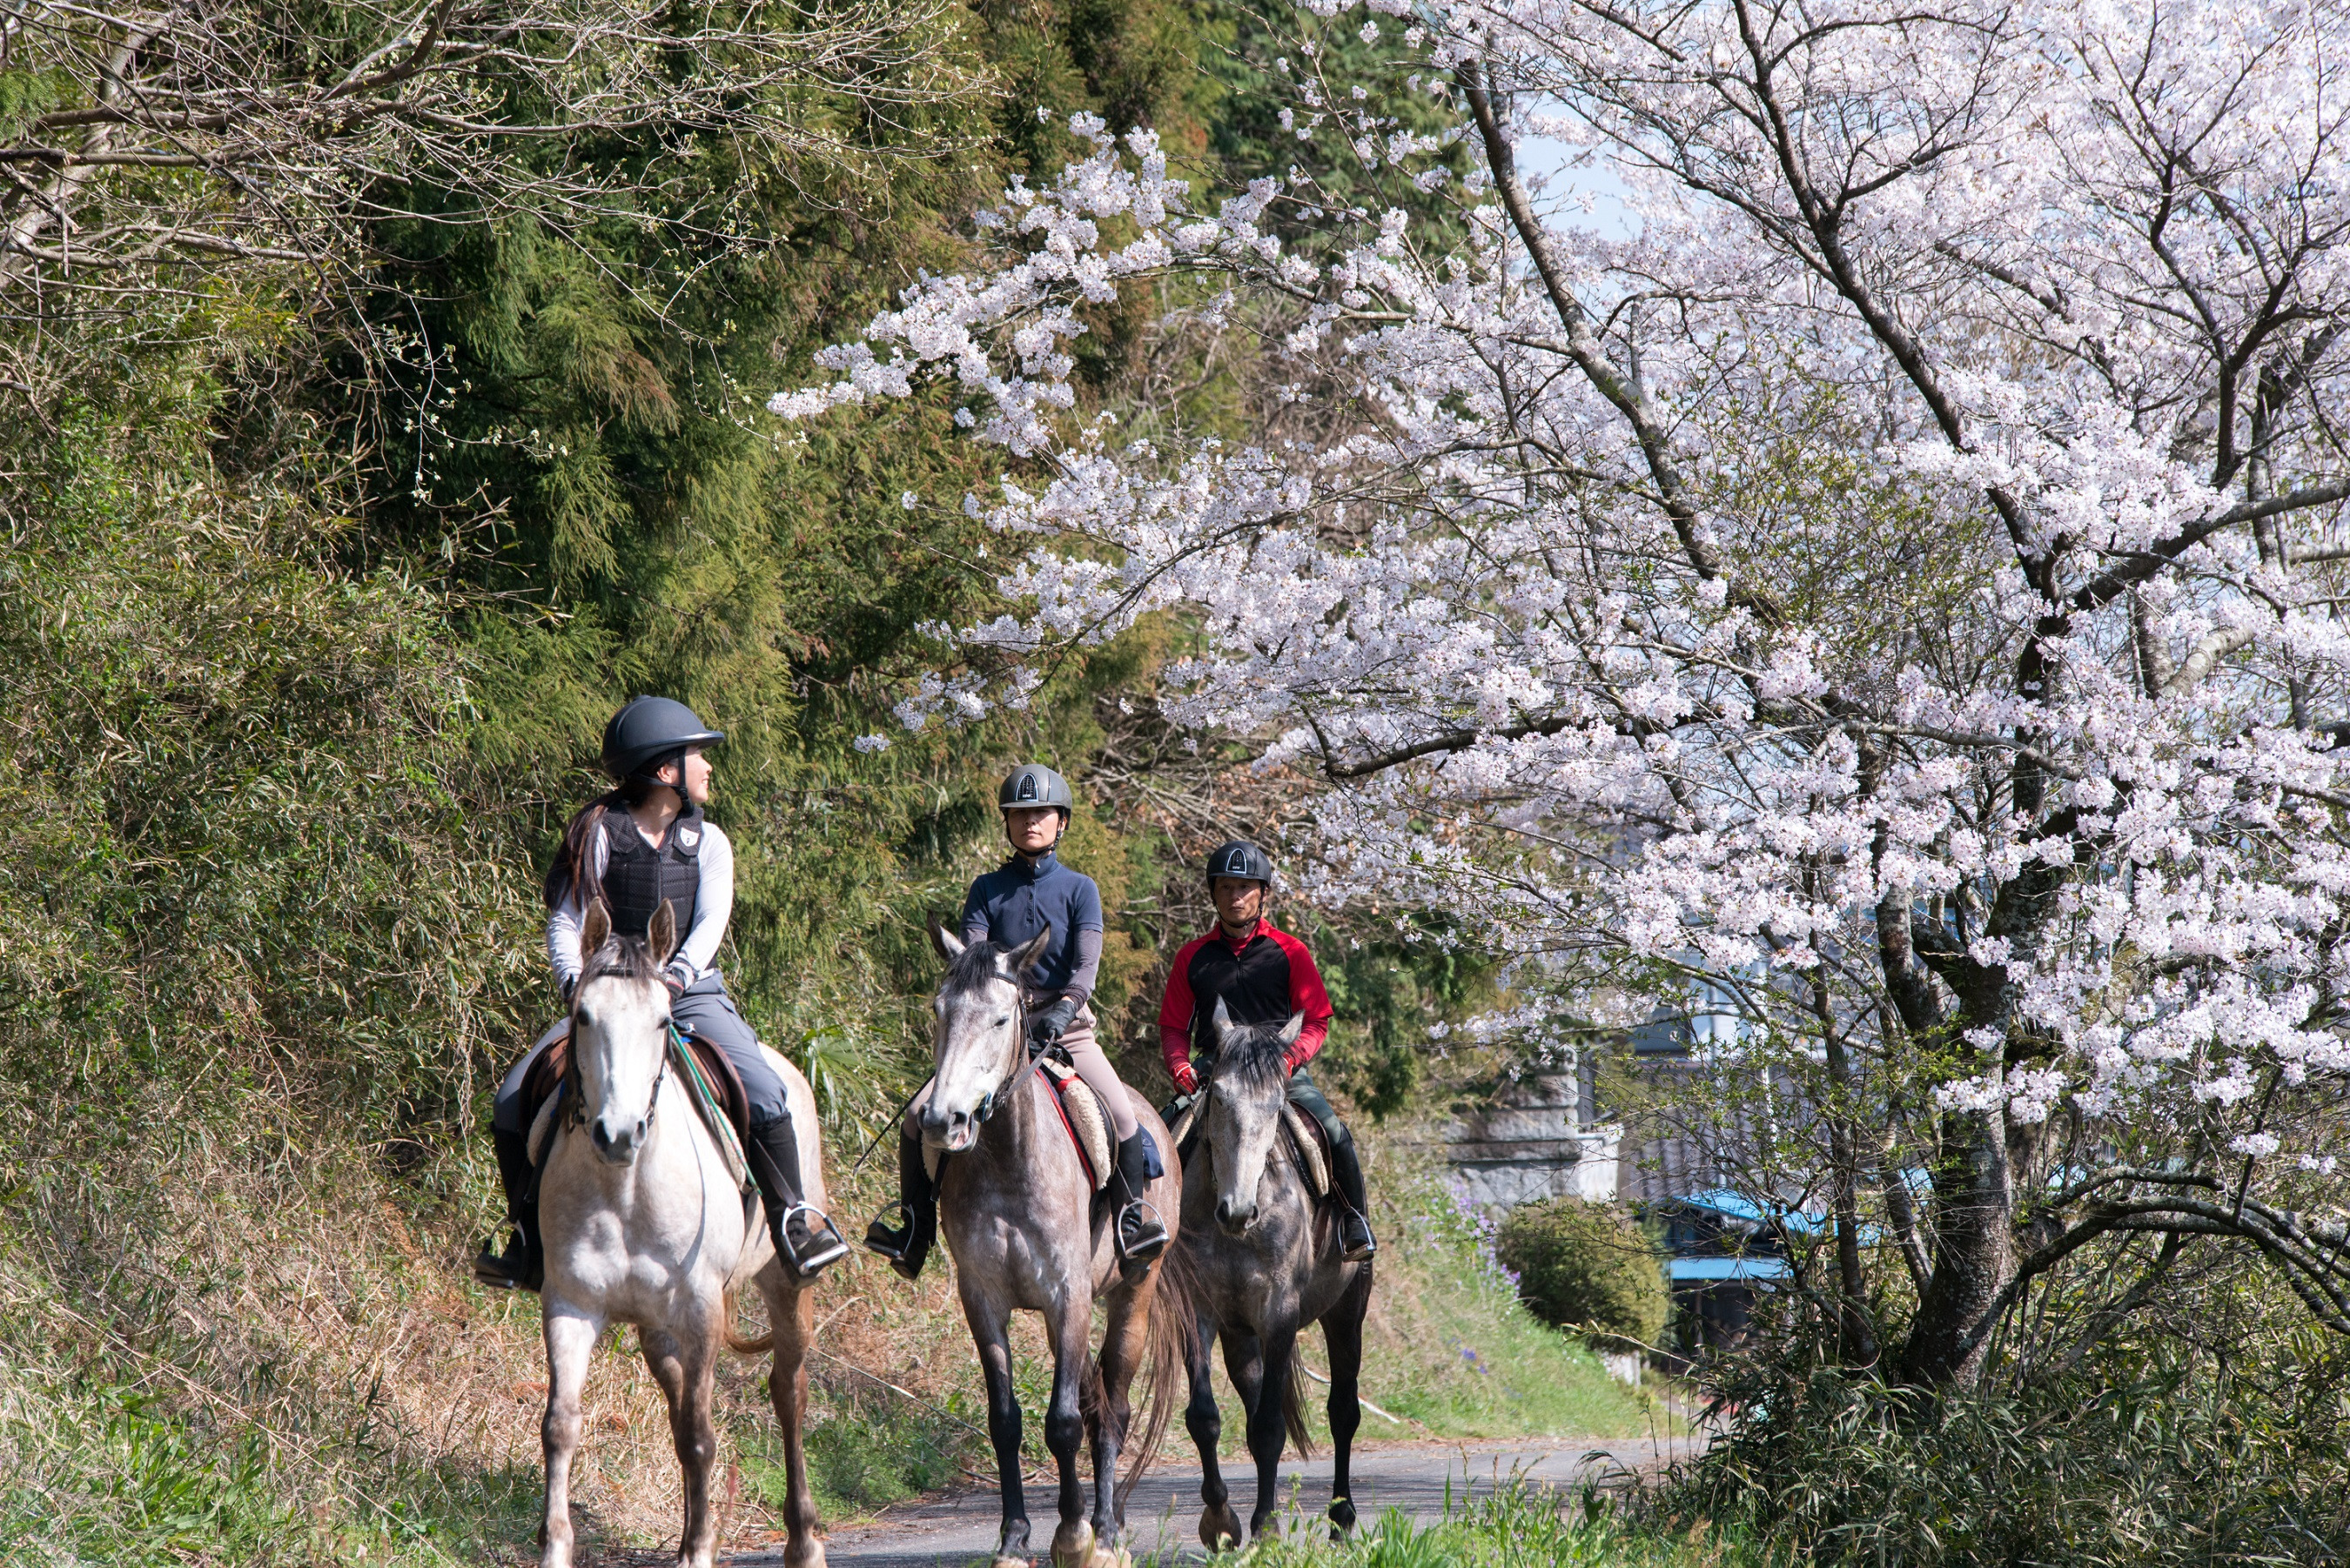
1023	1054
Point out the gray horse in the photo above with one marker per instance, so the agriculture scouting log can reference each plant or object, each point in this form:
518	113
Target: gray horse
1019	1215
1263	1260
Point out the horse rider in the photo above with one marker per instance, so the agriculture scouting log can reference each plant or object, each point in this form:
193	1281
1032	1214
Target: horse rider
1262	975
1030	892
644	842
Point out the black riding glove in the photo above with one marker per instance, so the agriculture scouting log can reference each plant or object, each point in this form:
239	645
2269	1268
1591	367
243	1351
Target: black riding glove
1053	1023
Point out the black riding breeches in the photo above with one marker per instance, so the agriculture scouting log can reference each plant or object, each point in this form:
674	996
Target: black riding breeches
705	1012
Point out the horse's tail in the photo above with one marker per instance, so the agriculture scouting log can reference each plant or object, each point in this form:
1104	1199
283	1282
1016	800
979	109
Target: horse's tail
735	1342
1165	1361
1292	1408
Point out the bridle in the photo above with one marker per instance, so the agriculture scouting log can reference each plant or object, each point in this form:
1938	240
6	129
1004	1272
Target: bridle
1023	1054
576	1114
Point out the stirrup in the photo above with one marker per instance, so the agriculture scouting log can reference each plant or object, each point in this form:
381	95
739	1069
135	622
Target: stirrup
897	1242
1135	1260
1361	1252
826	1246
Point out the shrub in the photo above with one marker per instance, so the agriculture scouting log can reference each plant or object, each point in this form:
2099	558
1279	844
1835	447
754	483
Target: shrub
1585	1266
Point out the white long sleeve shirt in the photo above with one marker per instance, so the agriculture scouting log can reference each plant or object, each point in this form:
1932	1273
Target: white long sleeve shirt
713	901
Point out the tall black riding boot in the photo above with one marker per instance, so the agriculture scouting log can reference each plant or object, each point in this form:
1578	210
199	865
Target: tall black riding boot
523	1267
806	1242
1141	1235
1354	1239
906	1245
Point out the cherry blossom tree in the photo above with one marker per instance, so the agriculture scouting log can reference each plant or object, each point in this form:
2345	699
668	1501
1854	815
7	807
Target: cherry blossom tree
1896	587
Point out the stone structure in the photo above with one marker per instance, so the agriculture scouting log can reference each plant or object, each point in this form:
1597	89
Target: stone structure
1536	1140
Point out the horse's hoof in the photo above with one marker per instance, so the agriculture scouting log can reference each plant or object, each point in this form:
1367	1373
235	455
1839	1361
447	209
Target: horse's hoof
1106	1556
1009	1562
1073	1546
1220	1531
810	1555
1342	1517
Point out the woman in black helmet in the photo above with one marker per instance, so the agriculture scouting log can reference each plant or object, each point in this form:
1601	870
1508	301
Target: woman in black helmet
1029	893
645	843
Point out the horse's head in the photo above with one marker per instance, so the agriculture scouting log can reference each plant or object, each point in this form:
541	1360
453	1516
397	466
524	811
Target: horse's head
979	1042
619	1030
1242	1116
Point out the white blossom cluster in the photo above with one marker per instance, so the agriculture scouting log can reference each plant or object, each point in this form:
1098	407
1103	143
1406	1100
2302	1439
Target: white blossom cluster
1899	571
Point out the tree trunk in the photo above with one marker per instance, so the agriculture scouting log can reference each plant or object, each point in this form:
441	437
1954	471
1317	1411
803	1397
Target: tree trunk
1973	1254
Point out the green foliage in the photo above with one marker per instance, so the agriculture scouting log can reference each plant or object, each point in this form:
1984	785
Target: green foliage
1460	1355
2141	1454
1385	993
1521	1525
1586	1266
865	1449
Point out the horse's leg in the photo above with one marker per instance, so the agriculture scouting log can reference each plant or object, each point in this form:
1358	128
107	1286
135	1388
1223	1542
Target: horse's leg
684	1367
1245	1364
1267	1422
990	1331
1069	1326
1220	1527
1123	1339
1342	1332
793	1313
570	1339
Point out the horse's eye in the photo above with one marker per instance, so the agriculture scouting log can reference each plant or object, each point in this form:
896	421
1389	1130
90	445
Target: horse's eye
1004	1018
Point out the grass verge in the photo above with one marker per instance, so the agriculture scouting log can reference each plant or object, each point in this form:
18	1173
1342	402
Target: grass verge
1519	1526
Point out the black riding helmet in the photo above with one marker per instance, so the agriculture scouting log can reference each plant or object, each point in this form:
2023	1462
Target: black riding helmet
1239	859
1034	784
650	730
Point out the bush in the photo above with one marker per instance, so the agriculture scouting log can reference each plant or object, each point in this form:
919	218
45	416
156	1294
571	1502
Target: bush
1585	1266
2144	1458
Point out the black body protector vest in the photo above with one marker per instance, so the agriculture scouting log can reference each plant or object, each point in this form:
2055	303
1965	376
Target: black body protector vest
637	877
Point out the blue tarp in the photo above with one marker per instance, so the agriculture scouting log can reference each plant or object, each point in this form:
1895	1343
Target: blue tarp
1700	1270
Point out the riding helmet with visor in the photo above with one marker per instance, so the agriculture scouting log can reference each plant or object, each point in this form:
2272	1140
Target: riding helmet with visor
1241	859
649	732
1033	785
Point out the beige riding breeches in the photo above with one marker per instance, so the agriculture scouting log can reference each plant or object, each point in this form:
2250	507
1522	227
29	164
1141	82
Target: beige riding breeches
1092	1065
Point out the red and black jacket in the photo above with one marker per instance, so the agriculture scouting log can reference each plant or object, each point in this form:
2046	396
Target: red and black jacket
1262	978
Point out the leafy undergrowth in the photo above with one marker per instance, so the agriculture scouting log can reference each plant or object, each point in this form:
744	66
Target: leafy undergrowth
1520	1526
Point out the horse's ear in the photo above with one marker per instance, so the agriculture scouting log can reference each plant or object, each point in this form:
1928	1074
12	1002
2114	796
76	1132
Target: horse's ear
950	945
595	929
664	934
1018	960
1291	1030
1223	1023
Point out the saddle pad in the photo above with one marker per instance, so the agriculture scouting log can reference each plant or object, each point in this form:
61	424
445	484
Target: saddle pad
1311	1158
1084	1115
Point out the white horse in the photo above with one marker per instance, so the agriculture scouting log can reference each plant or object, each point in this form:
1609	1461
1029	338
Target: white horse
644	1223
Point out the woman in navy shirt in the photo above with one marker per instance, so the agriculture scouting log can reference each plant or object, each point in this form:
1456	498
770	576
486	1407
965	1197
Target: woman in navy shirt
1033	892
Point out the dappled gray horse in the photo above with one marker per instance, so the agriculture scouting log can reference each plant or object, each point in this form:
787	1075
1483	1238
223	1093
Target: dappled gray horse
1263	1260
1018	1211
645	1223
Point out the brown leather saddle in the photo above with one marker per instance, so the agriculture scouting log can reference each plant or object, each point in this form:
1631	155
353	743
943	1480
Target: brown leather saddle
551	1076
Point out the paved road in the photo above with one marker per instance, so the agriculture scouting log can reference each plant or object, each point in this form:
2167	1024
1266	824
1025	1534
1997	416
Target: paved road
1164	1512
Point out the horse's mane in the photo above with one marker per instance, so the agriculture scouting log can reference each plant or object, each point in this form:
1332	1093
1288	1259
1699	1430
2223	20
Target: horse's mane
973	968
1250	1056
622	957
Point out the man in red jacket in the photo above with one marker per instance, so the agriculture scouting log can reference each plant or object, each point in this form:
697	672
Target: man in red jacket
1261	976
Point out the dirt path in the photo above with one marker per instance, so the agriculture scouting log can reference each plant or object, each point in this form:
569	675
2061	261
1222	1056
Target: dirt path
951	1531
